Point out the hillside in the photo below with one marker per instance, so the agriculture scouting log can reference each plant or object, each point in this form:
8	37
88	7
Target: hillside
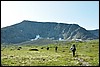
95	32
38	42
87	54
28	30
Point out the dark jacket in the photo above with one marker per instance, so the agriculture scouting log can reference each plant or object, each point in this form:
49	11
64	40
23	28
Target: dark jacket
73	48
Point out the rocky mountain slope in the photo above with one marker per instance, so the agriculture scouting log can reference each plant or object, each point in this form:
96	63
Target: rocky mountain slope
32	30
95	32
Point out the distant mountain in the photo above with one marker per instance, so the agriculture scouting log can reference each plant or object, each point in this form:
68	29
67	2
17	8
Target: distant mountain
28	30
95	32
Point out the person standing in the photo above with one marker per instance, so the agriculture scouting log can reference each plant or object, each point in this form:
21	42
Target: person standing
47	48
56	48
73	48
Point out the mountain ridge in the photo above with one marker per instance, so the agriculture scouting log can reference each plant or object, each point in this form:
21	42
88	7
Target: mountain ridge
27	30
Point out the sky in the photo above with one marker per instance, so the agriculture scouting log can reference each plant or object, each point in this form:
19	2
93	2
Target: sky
83	13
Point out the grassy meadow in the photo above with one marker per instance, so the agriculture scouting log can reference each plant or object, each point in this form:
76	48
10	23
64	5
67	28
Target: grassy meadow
87	54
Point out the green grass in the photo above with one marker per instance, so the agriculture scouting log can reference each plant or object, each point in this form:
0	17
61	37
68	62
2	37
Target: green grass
86	51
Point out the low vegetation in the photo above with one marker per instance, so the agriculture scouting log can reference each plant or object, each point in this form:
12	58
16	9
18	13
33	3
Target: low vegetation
87	54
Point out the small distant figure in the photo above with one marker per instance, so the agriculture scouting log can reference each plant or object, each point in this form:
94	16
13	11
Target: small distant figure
73	48
56	49
47	48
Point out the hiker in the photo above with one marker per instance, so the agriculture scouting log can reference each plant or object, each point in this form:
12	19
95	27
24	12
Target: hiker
56	48
47	48
73	48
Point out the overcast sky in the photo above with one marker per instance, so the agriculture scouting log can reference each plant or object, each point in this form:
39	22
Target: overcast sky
83	13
